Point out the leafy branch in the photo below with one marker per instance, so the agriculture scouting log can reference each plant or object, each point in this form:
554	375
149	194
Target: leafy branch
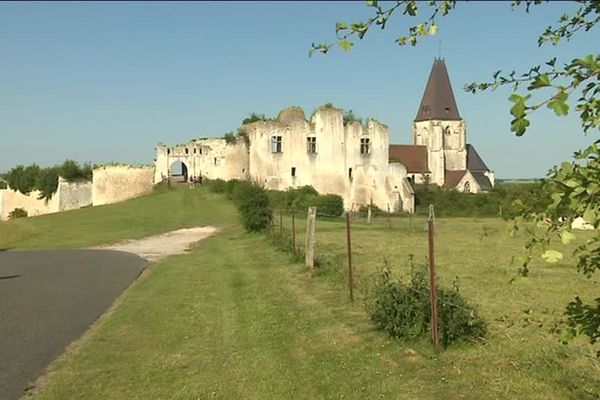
346	33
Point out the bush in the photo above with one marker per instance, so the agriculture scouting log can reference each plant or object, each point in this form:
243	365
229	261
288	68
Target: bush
404	310
216	185
17	213
329	205
253	203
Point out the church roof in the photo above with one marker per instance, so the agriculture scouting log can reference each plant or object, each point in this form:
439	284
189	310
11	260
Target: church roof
453	177
482	180
413	157
474	162
438	99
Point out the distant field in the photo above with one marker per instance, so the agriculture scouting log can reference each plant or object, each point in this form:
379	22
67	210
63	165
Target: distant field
237	319
532	180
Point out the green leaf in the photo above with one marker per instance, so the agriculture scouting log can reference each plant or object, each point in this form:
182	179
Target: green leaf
372	3
433	29
590	216
345	45
559	105
566	237
540	82
552	256
519	126
572	183
340	26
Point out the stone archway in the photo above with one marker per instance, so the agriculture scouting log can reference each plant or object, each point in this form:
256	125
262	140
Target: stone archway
178	171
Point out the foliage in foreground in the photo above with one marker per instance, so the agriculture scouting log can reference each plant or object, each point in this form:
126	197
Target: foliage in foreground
404	309
552	84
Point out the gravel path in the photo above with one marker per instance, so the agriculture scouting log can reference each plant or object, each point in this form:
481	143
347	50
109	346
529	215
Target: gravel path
154	248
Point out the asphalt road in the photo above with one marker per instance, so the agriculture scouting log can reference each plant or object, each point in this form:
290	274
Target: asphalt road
48	298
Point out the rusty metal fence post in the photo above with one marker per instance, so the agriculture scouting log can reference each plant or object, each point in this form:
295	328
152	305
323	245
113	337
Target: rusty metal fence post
349	239
432	288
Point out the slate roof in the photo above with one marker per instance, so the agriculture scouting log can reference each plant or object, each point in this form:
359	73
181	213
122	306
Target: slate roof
438	99
482	180
474	162
413	157
453	177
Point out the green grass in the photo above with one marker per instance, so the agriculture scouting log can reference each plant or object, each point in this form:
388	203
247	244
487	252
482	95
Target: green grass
158	212
236	319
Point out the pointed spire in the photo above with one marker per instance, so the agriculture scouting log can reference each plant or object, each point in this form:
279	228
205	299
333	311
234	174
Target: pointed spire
438	100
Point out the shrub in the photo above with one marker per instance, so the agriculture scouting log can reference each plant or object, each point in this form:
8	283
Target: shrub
329	205
404	310
216	185
17	213
253	203
3	185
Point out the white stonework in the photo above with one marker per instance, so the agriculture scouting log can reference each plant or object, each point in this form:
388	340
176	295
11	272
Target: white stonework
68	196
351	161
446	146
115	183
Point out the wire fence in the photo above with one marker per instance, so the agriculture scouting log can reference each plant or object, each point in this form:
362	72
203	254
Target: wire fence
281	236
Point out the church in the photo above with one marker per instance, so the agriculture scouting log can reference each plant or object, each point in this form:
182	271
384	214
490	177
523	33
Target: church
440	153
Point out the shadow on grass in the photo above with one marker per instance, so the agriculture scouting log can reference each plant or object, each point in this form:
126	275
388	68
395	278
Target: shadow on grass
9	277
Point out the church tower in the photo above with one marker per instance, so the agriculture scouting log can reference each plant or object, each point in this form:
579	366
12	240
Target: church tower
438	126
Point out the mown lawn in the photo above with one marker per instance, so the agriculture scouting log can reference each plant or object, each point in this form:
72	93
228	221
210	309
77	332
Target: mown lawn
156	213
236	319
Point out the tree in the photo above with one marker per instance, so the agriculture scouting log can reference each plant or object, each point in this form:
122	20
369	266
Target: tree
574	186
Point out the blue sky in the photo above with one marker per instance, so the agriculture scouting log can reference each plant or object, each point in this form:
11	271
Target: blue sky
101	82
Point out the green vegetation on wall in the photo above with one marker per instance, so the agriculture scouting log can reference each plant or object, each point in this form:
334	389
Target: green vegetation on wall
25	179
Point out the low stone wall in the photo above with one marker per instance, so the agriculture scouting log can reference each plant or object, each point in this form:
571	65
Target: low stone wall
12	200
115	183
68	196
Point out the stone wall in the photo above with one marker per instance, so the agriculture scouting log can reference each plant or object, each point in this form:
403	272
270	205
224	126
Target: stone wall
68	196
209	158
290	152
72	195
115	183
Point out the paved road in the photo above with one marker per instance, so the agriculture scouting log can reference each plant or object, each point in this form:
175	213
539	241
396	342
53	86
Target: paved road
48	298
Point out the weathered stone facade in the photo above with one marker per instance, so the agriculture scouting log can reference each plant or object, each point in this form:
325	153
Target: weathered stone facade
68	196
349	160
115	183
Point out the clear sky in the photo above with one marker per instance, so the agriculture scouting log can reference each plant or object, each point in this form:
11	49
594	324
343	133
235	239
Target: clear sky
102	82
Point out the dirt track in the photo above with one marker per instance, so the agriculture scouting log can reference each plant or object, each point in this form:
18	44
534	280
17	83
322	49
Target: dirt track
154	248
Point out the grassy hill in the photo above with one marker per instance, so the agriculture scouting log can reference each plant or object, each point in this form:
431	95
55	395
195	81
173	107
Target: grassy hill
236	318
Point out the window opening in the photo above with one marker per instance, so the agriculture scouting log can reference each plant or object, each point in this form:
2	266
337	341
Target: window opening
293	171
276	144
311	145
365	146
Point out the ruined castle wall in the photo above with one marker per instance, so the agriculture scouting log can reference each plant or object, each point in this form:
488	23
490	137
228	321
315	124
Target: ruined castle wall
209	158
115	183
72	195
68	196
29	202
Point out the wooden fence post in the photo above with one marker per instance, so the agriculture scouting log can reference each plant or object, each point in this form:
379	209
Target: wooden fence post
310	239
294	233
389	216
349	238
280	222
432	289
369	215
